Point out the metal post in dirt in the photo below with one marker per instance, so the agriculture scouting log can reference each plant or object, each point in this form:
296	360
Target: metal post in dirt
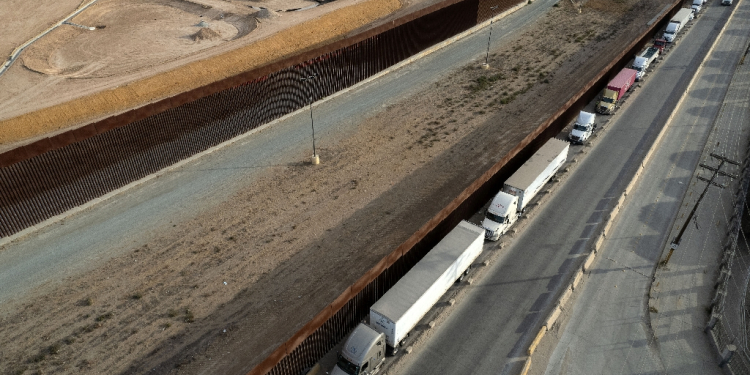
315	158
486	64
717	171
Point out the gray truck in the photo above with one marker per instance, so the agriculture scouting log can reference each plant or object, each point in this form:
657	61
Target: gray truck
395	314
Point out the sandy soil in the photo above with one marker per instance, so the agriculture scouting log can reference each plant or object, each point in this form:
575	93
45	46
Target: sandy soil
142	51
164	306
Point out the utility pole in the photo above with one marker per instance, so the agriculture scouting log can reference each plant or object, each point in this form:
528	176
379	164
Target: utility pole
486	64
315	158
717	172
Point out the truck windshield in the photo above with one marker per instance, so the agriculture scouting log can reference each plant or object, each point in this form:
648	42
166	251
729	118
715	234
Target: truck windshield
579	127
607	100
496	218
348	367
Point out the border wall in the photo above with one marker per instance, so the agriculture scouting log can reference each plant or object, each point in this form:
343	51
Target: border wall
56	174
53	175
334	323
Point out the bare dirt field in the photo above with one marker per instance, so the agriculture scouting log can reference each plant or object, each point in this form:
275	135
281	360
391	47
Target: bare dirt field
144	51
164	307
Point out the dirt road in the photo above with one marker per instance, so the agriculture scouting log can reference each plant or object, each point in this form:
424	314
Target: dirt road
158	307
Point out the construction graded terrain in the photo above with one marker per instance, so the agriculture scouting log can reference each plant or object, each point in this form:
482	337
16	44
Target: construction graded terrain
142	51
159	309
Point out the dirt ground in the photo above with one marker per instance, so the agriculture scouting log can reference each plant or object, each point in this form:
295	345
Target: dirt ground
144	51
164	307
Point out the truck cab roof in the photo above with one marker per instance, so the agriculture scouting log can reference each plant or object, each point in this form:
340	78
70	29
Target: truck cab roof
357	346
585	118
502	204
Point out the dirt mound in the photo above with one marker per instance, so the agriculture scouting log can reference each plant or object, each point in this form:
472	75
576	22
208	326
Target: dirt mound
266	13
205	34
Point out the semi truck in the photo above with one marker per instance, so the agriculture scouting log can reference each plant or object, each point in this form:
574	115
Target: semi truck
583	128
642	61
660	44
615	90
677	23
395	314
522	186
696	7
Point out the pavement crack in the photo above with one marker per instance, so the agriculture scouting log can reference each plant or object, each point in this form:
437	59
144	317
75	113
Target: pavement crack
628	267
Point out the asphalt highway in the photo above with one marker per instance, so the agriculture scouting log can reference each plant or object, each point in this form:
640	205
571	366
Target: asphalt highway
610	329
490	331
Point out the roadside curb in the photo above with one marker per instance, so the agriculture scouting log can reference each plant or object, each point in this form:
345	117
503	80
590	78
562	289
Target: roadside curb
174	167
612	216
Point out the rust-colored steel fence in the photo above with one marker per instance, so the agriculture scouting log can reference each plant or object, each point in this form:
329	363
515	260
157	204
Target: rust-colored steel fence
94	163
59	173
332	324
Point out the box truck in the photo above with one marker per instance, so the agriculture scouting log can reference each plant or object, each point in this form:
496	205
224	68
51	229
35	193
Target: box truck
677	23
583	128
642	61
522	186
615	90
395	314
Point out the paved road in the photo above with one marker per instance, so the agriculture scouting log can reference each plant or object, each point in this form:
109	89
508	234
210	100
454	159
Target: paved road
489	332
611	330
136	216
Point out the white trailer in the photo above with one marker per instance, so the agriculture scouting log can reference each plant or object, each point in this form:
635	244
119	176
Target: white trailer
677	23
522	186
399	310
642	61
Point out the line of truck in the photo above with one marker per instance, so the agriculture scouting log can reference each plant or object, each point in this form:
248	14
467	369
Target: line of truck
625	79
399	310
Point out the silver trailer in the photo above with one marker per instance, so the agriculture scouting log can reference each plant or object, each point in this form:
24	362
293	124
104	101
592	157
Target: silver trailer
399	310
536	171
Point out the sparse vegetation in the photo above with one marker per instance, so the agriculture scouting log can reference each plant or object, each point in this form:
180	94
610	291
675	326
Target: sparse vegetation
104	317
54	349
189	317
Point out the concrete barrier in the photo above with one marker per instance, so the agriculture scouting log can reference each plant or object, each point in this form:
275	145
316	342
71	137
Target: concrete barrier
577	279
589	262
526	366
537	340
599	242
565	296
552	318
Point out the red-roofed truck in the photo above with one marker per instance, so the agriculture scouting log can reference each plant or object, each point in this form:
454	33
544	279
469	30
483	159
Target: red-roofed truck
615	90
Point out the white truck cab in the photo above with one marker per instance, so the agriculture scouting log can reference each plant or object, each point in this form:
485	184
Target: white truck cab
583	128
362	354
501	214
671	31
